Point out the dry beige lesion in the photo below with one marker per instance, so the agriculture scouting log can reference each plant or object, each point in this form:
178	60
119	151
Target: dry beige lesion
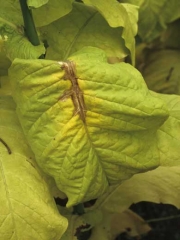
75	92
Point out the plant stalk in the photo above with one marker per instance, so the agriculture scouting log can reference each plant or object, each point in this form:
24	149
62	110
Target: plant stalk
29	25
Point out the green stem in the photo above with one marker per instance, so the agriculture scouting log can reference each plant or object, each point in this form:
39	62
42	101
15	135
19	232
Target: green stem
29	25
78	209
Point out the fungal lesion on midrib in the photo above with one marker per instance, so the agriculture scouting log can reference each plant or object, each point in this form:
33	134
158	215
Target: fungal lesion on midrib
74	92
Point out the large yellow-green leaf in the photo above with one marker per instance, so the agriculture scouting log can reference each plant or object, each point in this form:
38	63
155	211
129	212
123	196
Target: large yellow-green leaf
27	209
119	15
53	10
83	26
116	139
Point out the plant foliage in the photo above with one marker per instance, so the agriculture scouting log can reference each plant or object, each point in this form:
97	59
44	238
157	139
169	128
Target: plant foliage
78	123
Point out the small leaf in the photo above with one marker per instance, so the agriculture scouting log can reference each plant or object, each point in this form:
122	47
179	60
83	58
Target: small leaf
18	46
27	207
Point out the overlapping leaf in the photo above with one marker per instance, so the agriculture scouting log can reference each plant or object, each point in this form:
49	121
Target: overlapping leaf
117	138
83	26
26	205
154	16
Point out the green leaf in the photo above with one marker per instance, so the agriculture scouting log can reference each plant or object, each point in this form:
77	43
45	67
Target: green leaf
121	120
36	3
27	207
162	70
50	12
18	46
83	26
120	15
154	16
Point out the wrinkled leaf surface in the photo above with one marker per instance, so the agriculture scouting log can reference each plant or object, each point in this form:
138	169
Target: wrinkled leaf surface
121	119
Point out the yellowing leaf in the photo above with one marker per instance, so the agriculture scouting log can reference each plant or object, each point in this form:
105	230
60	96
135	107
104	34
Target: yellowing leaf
83	26
88	148
27	208
161	185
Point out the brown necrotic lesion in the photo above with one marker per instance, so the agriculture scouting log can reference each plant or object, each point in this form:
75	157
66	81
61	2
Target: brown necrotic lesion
75	92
